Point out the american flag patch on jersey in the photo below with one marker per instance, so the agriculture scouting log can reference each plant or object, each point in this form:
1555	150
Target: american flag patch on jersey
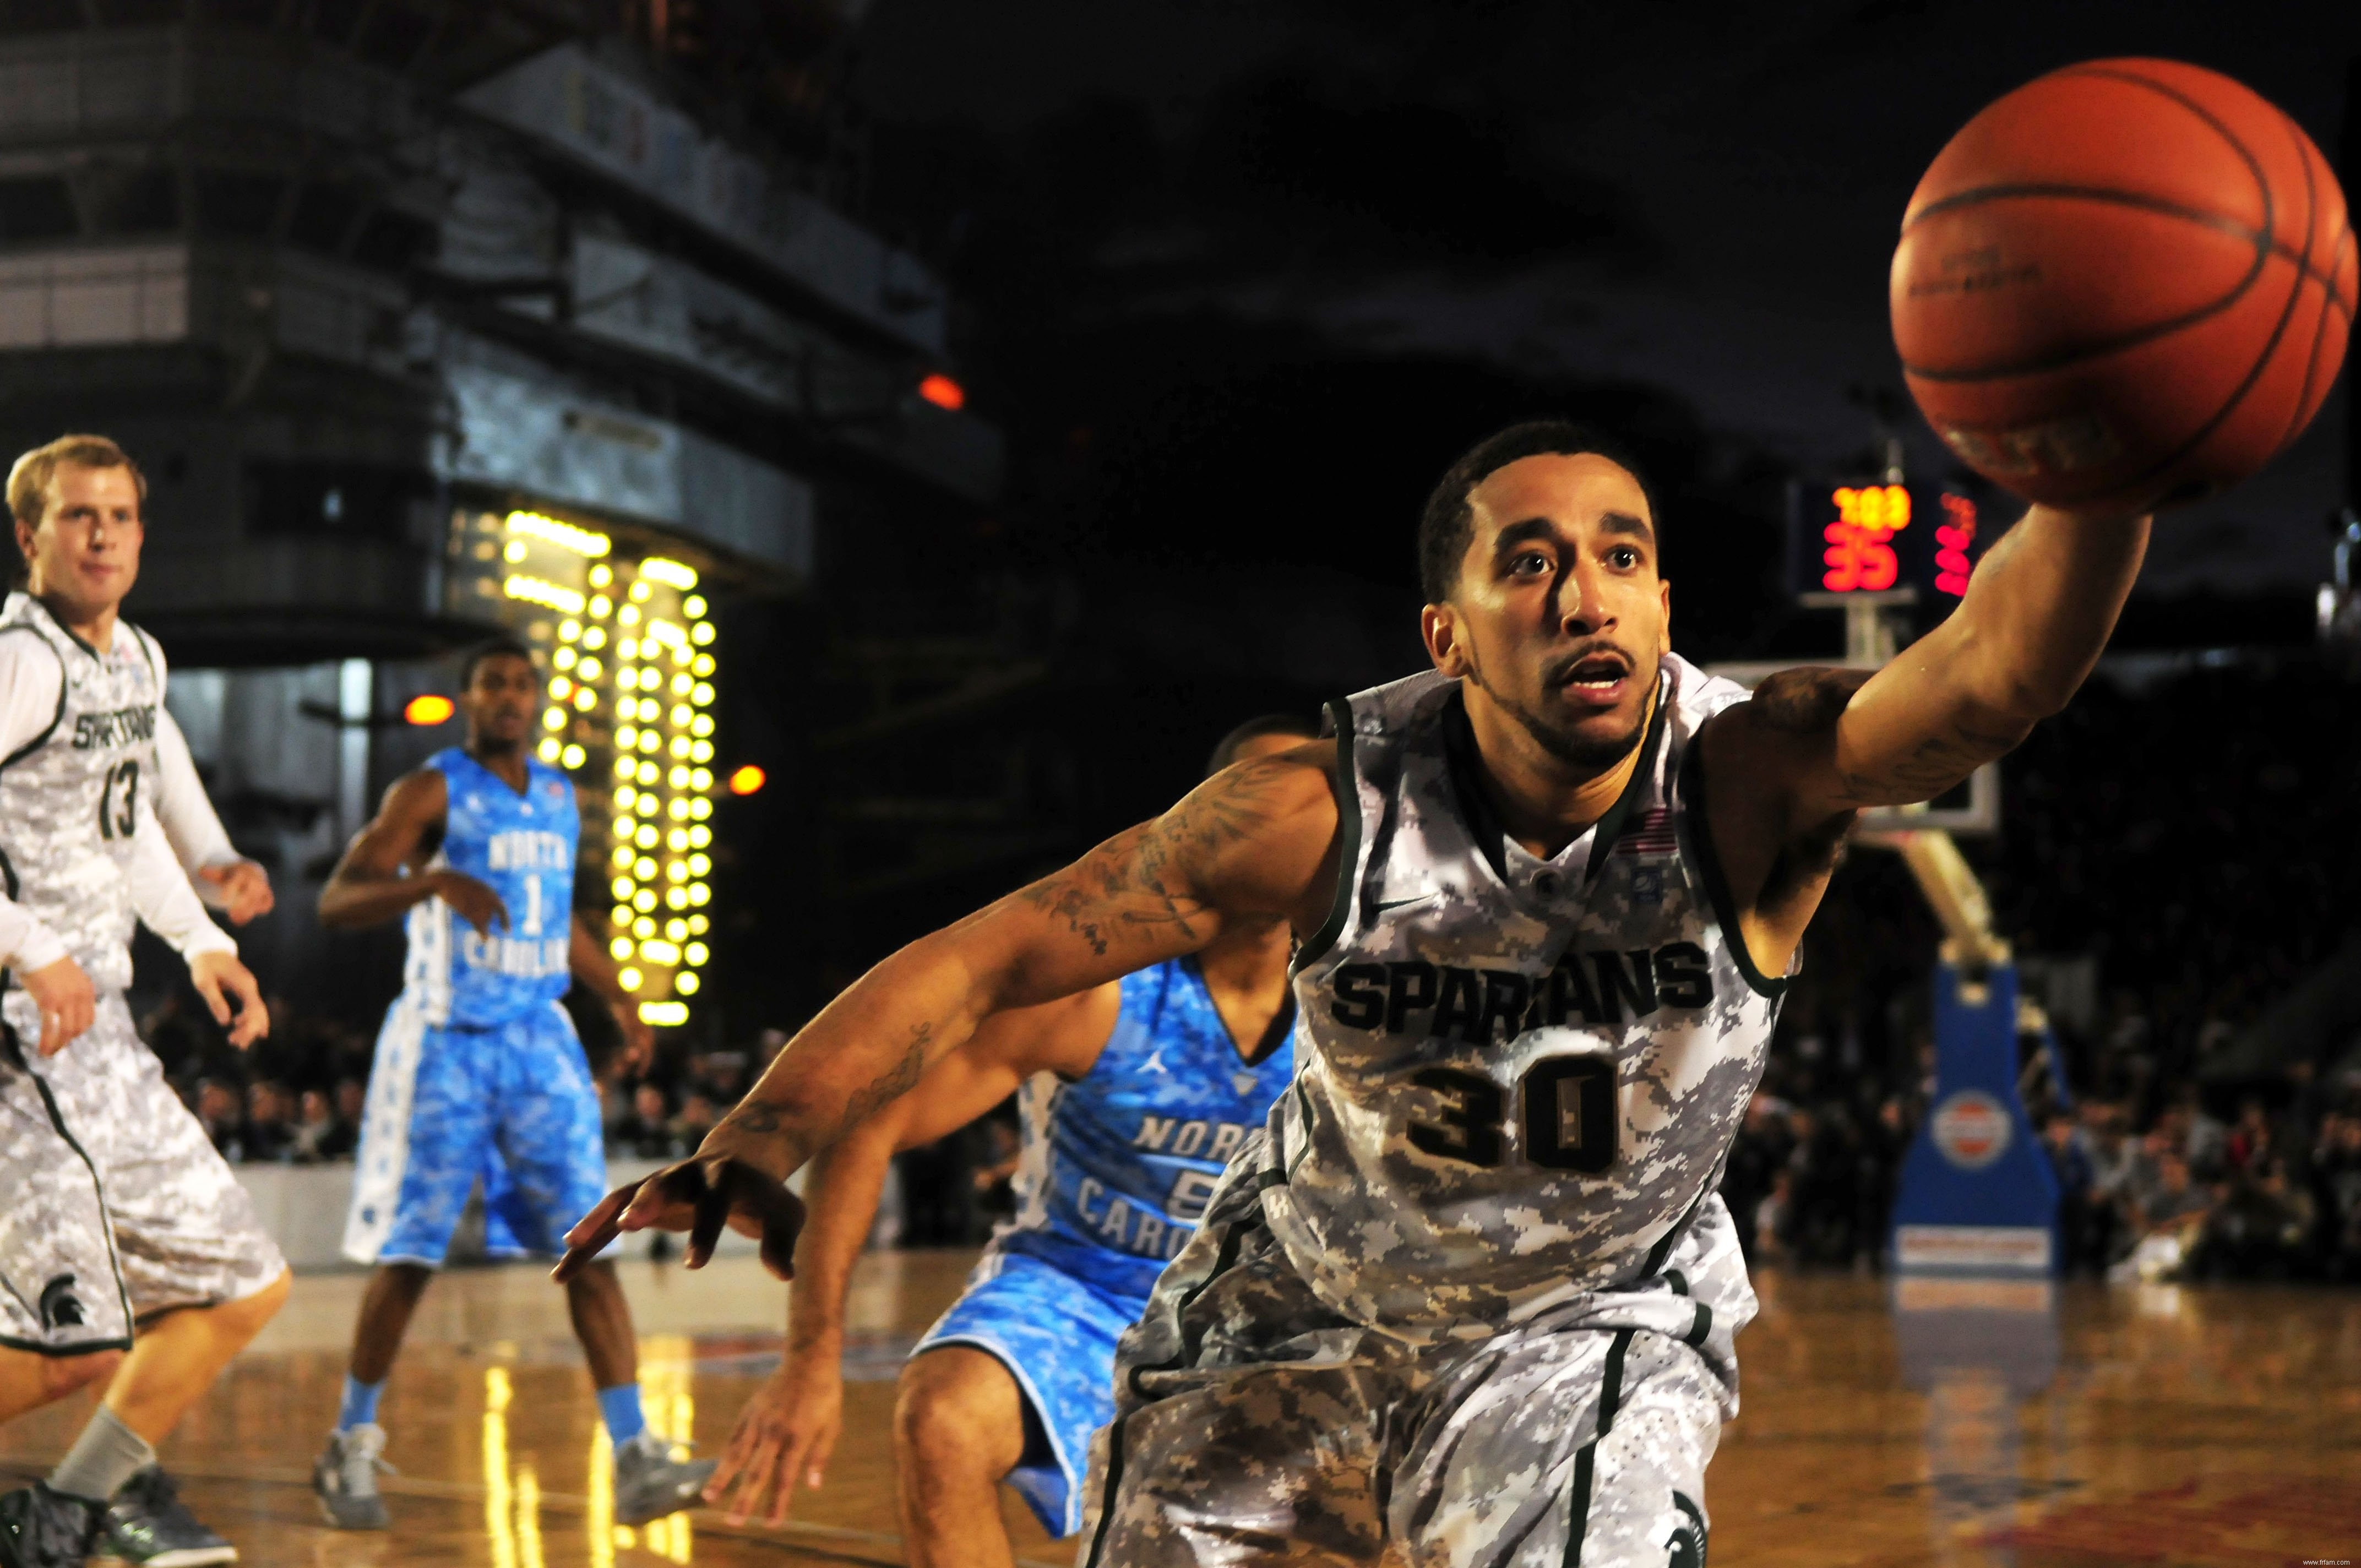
1650	834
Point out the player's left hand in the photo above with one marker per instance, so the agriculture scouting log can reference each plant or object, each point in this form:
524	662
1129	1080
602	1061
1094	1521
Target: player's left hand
638	1040
698	1195
219	977
785	1434
245	889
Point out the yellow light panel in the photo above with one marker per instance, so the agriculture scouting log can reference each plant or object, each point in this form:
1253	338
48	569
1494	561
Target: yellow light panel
673	573
664	1015
540	591
565	536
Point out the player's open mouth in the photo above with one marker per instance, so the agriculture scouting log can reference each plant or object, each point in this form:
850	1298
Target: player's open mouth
1595	679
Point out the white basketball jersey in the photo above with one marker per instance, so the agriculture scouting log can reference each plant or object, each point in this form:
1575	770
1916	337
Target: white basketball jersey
1519	1078
68	800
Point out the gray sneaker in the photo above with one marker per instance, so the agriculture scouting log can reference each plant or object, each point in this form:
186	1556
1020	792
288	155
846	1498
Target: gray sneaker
344	1478
650	1484
150	1525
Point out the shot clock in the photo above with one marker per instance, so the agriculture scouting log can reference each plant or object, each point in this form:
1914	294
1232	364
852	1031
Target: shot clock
1875	538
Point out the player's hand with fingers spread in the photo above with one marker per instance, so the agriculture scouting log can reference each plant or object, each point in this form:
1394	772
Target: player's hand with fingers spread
68	1003
699	1195
245	889
219	977
478	904
787	1432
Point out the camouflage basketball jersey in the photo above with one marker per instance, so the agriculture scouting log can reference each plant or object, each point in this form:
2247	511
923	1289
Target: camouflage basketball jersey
69	798
1518	1077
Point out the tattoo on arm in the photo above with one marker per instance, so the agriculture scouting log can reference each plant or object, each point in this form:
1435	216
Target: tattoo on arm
790	1116
1130	879
1809	702
1806	702
1933	766
887	1086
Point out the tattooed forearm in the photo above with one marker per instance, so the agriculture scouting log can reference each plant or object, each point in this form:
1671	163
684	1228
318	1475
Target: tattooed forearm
1141	877
887	1086
797	1114
1933	766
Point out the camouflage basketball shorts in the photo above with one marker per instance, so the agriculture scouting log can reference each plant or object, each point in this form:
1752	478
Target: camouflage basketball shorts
118	1207
1254	1425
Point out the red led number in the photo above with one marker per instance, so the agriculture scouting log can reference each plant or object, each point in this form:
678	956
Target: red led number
1859	557
1953	537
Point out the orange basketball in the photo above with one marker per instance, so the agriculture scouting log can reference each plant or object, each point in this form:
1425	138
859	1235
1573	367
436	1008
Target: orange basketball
2127	282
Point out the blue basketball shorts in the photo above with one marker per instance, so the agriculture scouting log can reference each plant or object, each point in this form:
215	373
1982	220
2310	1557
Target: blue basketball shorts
1056	1335
512	1106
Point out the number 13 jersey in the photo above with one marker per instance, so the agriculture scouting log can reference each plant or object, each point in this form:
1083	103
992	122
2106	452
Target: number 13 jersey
1519	1078
70	797
523	848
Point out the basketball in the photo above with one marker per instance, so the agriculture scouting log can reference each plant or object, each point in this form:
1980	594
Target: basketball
2127	283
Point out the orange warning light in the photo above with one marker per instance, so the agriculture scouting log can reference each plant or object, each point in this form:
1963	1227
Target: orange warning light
943	392
747	780
432	707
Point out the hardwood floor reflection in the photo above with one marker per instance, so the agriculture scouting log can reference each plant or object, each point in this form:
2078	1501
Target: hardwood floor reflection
1933	1425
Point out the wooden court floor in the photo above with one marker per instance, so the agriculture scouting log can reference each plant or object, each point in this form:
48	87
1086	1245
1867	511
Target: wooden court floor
1963	1424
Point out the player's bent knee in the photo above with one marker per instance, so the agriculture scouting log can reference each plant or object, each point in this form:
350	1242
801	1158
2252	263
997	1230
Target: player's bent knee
61	1375
956	1409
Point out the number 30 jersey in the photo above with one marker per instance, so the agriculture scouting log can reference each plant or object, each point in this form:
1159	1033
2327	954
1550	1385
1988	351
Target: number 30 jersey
1519	1078
523	848
1117	1166
70	797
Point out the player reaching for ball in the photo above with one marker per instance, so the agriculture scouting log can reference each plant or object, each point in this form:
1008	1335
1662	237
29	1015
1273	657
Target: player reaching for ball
1473	1296
1134	1093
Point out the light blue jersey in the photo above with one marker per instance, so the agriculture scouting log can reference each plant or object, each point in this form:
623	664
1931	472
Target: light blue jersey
1115	1171
479	1076
1117	1166
523	848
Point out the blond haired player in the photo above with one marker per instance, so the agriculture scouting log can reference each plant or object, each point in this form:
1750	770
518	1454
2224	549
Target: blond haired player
128	1249
1472	1297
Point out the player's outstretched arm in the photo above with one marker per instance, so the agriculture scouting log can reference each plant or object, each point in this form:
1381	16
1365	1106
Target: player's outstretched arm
1256	840
376	880
2036	617
788	1430
1785	772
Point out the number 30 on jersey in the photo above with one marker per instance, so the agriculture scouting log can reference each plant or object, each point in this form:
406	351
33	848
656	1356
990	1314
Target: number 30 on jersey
1570	1120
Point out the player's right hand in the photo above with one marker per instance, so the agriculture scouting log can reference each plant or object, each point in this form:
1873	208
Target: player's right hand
68	1006
787	1433
244	888
698	1195
478	904
219	977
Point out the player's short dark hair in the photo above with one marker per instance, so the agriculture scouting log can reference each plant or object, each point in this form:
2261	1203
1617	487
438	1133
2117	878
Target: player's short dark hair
1225	751
493	648
1444	528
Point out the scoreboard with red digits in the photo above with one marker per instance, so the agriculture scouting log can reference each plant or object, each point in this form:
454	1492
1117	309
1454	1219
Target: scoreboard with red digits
1875	537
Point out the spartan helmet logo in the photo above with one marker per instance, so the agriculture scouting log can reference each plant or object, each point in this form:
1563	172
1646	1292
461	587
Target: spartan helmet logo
1686	1549
60	1308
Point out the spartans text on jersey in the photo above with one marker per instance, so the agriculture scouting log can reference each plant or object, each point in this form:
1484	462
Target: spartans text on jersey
123	727
1475	1004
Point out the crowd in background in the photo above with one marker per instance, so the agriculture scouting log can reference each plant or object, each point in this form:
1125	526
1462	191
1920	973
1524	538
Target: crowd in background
2205	880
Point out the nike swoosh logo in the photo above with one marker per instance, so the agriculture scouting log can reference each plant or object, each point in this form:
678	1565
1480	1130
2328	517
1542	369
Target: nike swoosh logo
1401	902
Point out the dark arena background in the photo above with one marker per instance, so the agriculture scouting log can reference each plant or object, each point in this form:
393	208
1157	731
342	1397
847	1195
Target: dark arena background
909	434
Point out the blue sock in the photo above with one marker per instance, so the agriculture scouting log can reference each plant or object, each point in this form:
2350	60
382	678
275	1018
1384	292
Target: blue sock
361	1404
620	1408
